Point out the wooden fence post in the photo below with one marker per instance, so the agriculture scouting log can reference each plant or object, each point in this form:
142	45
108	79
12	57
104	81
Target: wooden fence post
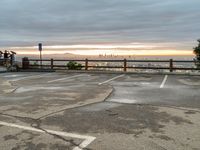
51	63
25	63
86	64
125	65
171	65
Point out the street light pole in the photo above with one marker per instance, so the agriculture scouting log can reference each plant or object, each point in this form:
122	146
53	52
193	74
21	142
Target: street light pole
41	59
40	49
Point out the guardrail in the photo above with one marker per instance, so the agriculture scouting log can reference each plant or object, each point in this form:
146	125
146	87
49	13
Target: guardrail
169	64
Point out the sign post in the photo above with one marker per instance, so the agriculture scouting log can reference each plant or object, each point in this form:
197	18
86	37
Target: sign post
40	49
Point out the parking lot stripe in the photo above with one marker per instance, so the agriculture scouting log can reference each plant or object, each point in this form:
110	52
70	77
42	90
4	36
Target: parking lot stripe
84	144
29	77
13	75
111	79
61	79
164	81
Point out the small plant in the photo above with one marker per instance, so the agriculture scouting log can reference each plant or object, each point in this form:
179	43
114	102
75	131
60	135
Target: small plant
35	63
197	53
72	65
13	68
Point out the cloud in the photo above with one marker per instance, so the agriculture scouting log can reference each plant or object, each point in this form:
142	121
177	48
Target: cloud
55	22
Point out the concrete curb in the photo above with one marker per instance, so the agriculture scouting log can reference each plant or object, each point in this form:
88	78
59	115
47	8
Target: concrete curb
110	72
3	70
36	70
121	72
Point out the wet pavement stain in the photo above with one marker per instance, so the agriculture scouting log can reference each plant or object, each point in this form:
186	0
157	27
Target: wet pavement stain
115	120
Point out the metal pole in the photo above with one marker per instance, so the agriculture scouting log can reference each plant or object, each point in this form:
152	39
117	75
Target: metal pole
40	49
40	59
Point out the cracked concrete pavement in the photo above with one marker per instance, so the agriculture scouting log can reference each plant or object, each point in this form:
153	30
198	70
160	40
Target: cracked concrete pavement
129	112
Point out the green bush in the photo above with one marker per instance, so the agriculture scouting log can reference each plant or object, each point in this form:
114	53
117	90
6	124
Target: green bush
72	65
35	63
197	53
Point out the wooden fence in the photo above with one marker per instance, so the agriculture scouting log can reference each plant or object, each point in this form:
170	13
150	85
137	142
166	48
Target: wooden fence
169	64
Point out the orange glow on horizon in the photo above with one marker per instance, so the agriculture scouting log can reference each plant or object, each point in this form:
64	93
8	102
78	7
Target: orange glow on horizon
113	52
137	49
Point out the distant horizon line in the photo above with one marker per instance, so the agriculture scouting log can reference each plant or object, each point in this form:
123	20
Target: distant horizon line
108	54
131	49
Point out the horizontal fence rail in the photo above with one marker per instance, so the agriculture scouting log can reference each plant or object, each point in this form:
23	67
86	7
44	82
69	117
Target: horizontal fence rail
124	64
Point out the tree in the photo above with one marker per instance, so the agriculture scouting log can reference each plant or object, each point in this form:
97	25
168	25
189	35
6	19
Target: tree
197	53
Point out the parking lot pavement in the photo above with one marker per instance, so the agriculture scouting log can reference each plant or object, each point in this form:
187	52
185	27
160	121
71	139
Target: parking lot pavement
99	111
15	138
176	90
34	96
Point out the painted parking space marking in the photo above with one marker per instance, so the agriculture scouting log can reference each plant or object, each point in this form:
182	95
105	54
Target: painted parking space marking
30	77
164	81
61	79
123	101
36	88
86	139
13	75
3	74
107	81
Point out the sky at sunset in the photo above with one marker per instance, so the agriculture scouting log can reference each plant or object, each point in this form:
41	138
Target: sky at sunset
92	27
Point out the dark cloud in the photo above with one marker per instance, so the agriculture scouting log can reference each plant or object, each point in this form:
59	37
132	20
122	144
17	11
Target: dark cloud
25	22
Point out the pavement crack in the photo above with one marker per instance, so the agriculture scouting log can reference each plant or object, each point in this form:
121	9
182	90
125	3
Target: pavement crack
26	119
59	111
110	94
111	113
37	125
159	146
14	90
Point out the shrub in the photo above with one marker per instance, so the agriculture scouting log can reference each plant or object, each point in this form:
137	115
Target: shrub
72	65
35	63
197	53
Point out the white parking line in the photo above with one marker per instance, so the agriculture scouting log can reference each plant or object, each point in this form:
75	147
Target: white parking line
61	79
6	74
164	81
84	144
28	77
13	75
111	79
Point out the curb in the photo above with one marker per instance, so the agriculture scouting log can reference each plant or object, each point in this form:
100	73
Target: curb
110	72
3	70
